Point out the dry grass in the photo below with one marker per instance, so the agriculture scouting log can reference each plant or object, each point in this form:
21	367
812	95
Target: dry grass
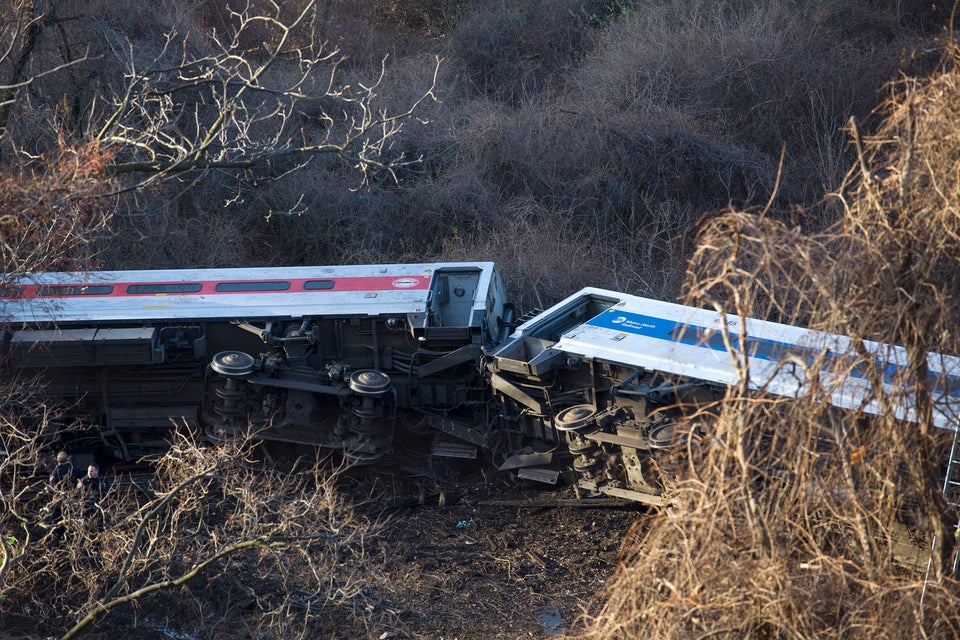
787	519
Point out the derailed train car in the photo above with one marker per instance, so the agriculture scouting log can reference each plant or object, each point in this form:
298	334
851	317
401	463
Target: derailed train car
602	378
346	357
388	361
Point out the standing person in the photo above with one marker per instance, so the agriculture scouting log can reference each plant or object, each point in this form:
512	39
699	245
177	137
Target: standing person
60	483
93	489
64	473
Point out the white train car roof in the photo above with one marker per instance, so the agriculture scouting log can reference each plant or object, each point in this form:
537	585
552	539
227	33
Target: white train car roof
779	358
197	294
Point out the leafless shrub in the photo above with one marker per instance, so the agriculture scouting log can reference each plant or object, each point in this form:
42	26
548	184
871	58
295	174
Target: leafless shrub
51	214
545	256
683	107
513	51
743	71
213	529
791	518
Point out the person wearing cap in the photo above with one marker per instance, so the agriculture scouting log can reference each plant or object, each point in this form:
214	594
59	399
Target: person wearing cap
64	473
60	484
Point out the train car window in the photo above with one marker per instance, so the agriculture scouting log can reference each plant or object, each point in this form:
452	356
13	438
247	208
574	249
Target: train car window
75	290
944	383
165	287
232	287
315	285
701	337
10	291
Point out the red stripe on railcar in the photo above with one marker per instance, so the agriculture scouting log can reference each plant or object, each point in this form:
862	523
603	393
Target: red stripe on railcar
150	289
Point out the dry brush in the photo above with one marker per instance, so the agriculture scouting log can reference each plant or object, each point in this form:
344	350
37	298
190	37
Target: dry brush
792	519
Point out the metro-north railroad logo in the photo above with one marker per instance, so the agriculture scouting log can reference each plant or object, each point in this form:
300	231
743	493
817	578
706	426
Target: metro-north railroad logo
404	283
619	320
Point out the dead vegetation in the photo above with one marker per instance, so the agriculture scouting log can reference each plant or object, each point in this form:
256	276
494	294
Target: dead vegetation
790	516
232	132
213	543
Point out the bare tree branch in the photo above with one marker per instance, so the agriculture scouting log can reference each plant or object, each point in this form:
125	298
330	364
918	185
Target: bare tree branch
229	110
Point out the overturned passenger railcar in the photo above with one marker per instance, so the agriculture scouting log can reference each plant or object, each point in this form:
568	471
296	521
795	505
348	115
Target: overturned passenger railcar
602	379
345	357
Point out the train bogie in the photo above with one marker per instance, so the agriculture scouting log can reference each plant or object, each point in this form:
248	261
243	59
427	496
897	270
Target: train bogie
606	422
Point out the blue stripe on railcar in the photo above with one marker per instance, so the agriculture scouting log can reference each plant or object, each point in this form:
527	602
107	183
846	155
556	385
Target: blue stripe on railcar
759	348
706	337
635	323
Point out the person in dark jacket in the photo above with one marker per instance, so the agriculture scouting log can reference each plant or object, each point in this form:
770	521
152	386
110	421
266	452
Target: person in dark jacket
93	488
60	485
64	473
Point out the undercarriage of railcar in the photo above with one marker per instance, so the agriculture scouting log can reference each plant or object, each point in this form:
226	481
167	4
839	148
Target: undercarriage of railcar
599	425
603	427
352	384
